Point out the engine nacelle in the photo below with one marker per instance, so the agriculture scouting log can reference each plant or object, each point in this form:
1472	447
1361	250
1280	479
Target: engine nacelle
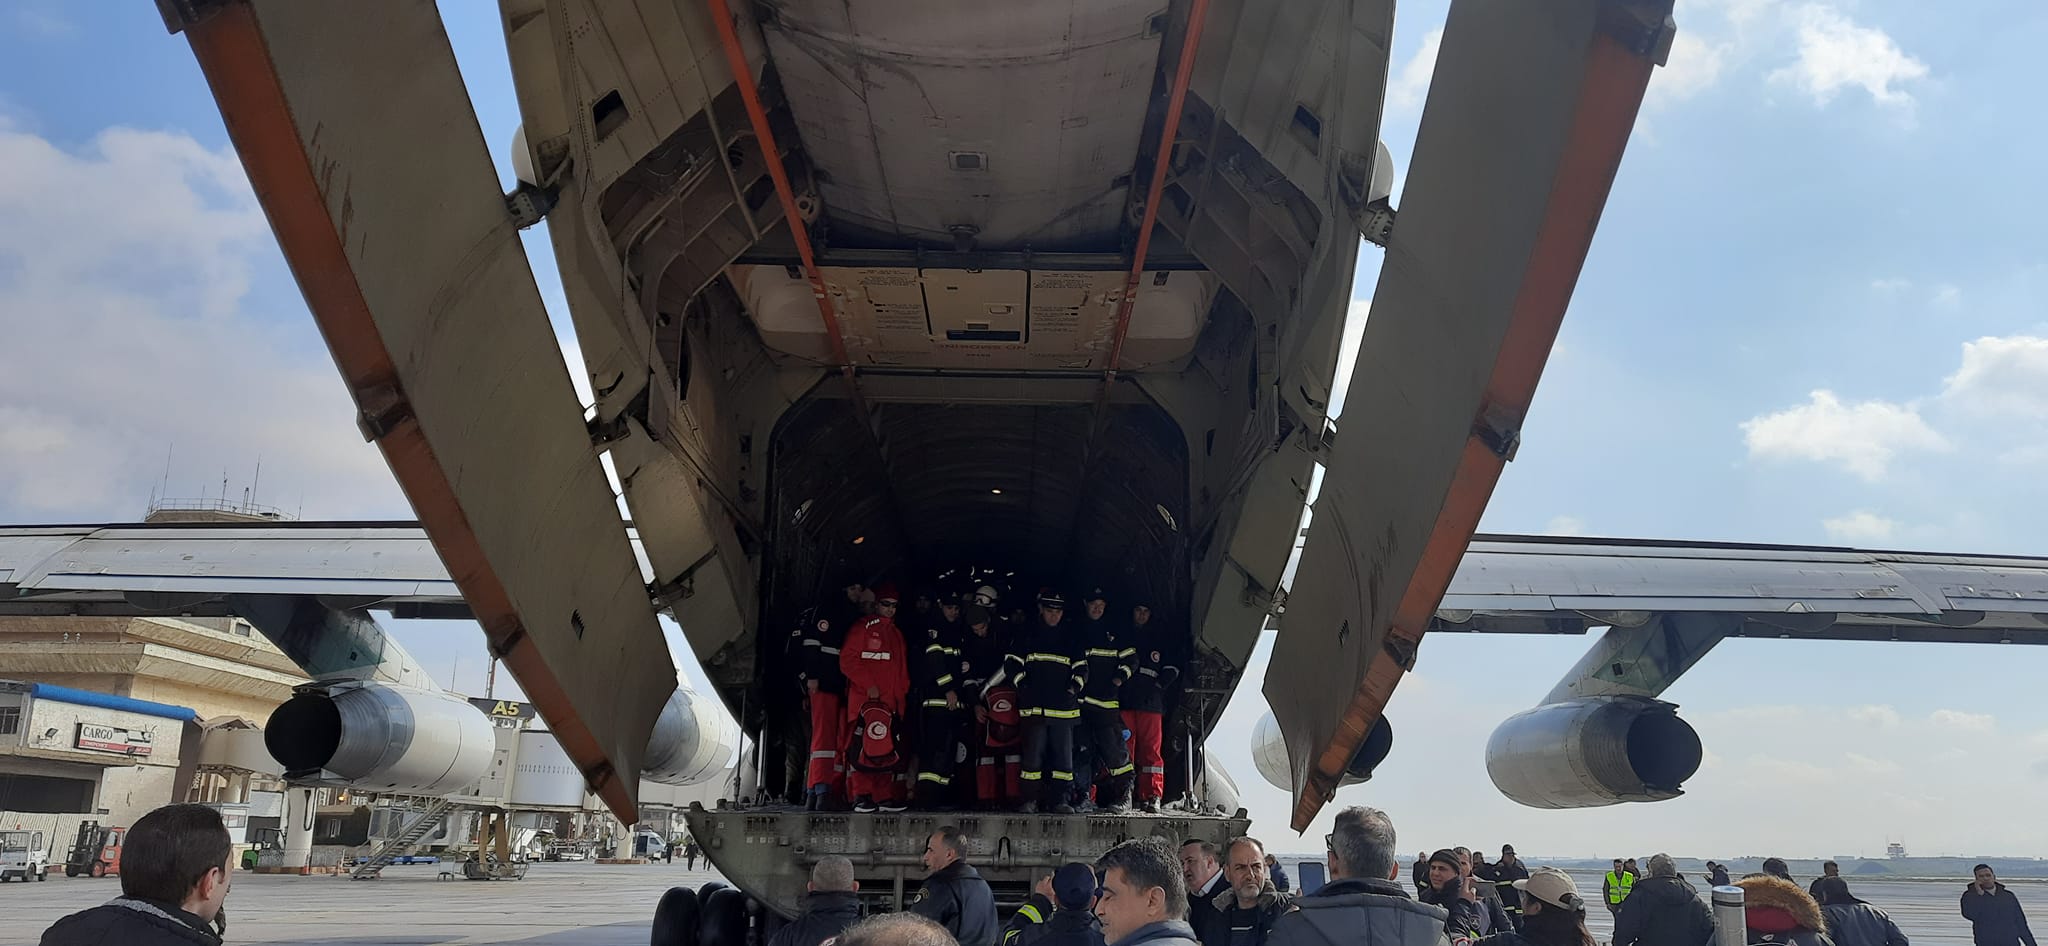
1586	753
1269	753
694	740
380	737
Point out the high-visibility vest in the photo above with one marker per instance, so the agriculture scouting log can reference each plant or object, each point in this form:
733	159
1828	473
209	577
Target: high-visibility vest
1618	887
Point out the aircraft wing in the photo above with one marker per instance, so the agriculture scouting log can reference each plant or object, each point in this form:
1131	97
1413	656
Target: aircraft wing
1505	584
1530	584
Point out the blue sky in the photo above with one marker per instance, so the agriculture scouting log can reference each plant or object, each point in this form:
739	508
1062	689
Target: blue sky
1816	312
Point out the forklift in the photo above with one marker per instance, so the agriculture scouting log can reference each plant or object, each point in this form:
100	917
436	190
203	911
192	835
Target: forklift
97	851
263	840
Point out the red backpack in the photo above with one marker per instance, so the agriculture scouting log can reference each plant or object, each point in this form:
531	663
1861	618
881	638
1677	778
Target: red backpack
1005	724
874	743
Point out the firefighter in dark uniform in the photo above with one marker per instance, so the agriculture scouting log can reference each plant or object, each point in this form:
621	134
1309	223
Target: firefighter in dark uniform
815	646
996	754
1046	665
940	678
1111	663
1144	703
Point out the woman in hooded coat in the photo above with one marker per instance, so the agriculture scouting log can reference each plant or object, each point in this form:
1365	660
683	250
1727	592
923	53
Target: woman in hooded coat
1851	921
1778	913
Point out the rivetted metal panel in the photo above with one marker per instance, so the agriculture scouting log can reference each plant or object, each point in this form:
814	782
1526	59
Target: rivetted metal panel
1050	96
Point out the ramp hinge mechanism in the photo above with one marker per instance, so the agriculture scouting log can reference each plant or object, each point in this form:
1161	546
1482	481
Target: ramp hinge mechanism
529	204
1494	431
1376	222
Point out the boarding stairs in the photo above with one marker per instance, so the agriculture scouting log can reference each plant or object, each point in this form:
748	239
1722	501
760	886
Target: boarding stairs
427	821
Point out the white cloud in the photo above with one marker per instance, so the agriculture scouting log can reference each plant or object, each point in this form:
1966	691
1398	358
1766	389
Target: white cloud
126	274
1881	716
1869	766
1891	285
1863	437
1565	525
1409	86
1960	720
1694	66
1835	53
1948	297
1859	526
2002	376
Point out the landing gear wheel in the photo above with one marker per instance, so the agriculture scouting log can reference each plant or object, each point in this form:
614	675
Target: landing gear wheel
705	890
724	922
676	918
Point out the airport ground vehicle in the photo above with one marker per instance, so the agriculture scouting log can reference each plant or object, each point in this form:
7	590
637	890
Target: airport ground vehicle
24	856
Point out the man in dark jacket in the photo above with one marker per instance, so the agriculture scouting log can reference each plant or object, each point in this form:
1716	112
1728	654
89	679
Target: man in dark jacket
1717	874
1046	665
1144	704
1362	905
1278	874
832	905
814	647
1060	912
1112	661
1144	899
940	671
1247	910
954	895
1201	872
1663	911
176	864
1994	913
1827	869
1467	912
1510	869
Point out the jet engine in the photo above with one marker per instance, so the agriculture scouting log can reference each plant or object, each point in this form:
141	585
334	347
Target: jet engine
1269	753
380	737
1595	751
694	740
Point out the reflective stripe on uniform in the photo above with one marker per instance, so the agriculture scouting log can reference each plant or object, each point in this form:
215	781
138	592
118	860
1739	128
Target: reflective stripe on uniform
939	703
1102	652
834	651
1050	713
934	777
1148	671
1031	913
1013	758
1105	704
1050	658
1152	769
1063	776
825	754
1029	776
1121	770
948	678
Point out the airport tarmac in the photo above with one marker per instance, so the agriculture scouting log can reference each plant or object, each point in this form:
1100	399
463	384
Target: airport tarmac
558	904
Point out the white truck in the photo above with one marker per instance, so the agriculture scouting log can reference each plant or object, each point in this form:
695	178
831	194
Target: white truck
24	856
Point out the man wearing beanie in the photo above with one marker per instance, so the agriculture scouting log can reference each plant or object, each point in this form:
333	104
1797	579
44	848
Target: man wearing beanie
1456	892
1061	911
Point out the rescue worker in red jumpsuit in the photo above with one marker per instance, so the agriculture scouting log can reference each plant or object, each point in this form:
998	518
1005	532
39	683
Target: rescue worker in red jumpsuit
877	668
1144	703
816	645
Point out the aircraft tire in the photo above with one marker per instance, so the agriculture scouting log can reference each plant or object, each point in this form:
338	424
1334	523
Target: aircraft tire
724	921
676	918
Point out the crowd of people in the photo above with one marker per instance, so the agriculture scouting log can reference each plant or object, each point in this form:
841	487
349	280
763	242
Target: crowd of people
1143	893
178	864
1054	712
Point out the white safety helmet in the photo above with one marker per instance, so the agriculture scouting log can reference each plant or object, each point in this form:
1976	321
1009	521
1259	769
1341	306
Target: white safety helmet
985	596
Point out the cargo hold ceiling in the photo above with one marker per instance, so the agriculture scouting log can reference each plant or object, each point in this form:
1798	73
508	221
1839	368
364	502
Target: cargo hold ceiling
1002	486
1018	122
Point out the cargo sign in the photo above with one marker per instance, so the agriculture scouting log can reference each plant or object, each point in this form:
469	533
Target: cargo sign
114	739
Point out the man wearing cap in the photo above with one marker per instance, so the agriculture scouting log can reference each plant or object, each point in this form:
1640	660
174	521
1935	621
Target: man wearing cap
1046	665
1455	890
1144	704
940	677
816	644
877	670
1060	912
1554	914
995	741
1508	870
1111	664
